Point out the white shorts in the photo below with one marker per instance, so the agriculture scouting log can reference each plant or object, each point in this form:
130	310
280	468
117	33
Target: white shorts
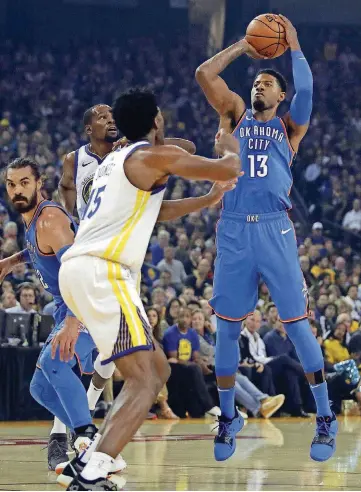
103	295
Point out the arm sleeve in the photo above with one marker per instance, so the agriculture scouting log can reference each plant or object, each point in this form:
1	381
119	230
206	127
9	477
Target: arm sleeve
301	105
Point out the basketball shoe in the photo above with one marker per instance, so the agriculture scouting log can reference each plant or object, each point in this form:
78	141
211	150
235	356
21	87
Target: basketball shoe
57	450
324	443
225	441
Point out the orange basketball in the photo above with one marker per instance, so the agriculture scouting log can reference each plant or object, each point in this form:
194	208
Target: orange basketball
267	35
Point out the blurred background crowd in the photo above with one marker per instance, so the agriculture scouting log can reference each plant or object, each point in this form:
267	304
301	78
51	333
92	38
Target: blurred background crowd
43	94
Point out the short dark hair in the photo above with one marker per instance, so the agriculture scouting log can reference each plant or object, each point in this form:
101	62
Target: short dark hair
134	112
26	286
278	76
88	115
196	303
22	162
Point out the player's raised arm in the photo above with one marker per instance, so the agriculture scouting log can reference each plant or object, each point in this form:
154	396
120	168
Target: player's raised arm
171	160
226	102
299	115
67	189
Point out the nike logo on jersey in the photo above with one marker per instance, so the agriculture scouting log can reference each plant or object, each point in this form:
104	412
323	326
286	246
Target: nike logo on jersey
87	163
248	118
285	232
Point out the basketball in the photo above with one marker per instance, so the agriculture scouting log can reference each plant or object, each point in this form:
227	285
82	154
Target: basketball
267	35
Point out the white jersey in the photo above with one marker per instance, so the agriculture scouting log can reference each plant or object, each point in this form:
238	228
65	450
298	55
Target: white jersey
86	164
120	218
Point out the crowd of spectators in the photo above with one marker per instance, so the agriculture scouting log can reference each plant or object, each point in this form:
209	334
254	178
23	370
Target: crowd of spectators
42	117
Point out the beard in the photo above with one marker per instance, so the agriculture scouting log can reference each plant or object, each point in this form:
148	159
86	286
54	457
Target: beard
23	207
259	105
110	139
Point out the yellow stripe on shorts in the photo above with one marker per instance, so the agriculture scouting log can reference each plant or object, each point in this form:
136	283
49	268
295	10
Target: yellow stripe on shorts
120	289
127	306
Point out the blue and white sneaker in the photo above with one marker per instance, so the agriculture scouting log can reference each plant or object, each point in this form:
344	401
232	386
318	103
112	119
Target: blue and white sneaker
324	443
225	441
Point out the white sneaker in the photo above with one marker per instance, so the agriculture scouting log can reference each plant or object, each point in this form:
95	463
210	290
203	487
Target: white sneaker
118	466
215	412
80	445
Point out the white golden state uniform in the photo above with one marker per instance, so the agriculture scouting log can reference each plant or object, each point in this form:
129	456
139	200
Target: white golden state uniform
97	276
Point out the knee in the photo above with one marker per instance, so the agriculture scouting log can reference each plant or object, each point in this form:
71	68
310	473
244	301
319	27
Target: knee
46	362
229	330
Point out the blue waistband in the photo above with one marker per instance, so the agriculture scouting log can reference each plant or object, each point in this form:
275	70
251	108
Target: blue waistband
254	218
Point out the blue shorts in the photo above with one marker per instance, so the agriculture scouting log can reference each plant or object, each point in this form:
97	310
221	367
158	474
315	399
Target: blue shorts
251	247
83	361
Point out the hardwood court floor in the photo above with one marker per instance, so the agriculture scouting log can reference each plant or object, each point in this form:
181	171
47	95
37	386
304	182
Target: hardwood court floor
270	455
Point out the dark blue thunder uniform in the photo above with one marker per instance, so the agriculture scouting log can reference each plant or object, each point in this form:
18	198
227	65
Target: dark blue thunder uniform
47	268
255	237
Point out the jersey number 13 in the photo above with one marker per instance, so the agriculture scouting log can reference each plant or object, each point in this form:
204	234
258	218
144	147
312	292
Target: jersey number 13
258	166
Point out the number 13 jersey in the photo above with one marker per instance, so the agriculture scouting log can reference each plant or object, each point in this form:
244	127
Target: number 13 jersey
266	157
119	218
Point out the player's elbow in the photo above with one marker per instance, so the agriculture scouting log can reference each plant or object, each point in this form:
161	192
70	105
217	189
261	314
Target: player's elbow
201	73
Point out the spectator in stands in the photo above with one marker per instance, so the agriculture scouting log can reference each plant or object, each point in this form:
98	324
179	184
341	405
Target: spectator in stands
165	282
271	313
171	314
317	233
157	248
321	304
354	302
187	295
289	378
19	275
200	278
149	272
328	320
8	300
305	267
340	265
335	346
182	250
322	267
186	385
345	318
27	300
174	267
352	219
159	299
191	264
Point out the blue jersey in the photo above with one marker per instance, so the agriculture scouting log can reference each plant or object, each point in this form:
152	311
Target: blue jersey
46	266
266	158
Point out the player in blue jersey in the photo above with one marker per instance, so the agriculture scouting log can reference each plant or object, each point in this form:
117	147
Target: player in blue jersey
255	237
49	231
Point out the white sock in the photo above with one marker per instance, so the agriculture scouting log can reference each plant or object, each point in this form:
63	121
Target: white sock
98	466
93	395
58	427
85	456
